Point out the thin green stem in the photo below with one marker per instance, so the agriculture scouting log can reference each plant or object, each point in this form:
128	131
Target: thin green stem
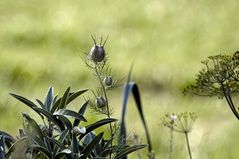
189	149
107	103
170	148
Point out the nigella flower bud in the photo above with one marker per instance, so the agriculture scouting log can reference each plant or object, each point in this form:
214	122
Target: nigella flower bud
108	81
100	102
97	53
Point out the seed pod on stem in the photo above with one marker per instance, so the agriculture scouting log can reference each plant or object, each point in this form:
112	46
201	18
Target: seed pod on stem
108	81
100	102
97	52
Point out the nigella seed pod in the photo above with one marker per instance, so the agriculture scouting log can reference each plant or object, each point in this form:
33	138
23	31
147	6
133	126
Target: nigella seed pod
108	81
100	102
97	53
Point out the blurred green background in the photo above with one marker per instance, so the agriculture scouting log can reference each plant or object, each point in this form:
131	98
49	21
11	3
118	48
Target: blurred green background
42	43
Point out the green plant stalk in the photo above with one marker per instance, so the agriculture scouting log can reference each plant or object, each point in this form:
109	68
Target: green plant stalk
107	104
170	148
188	146
139	156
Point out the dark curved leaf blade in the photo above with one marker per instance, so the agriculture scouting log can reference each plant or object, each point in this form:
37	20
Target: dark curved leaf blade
55	99
74	95
49	116
96	125
65	121
128	150
75	145
89	148
108	144
42	149
63	135
61	139
63	155
24	100
40	103
48	145
64	99
57	143
69	113
88	138
109	150
38	141
55	105
2	146
82	112
49	99
8	138
133	88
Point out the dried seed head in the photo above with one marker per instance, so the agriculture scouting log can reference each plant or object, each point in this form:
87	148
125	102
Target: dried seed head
100	102
108	81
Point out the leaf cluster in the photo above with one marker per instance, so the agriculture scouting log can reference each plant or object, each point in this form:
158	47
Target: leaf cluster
59	137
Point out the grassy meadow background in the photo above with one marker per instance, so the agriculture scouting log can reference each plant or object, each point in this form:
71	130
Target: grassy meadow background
42	44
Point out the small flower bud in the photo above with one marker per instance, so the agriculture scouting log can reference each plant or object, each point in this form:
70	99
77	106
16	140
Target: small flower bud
97	53
100	102
108	81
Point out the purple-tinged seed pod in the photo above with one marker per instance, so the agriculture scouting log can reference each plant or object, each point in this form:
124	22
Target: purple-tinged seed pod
108	81
97	52
100	102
